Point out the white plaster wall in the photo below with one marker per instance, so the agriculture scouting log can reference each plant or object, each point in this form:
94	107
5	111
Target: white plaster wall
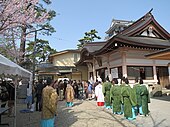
65	59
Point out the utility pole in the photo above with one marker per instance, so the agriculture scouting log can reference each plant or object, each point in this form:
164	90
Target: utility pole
34	48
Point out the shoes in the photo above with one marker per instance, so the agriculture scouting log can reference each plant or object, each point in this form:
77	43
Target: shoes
141	115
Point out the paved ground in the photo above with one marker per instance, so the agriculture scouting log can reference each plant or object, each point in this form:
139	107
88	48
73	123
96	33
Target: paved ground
159	113
31	119
87	114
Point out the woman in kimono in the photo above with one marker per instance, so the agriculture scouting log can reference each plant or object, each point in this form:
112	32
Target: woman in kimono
115	96
99	94
128	99
69	95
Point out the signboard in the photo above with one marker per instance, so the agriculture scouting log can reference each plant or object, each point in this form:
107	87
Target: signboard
114	72
106	73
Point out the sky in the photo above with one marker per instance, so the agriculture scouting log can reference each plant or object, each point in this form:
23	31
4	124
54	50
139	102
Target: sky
75	17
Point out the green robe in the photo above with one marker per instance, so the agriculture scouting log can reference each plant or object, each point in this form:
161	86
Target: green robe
137	90
106	92
128	100
115	95
145	99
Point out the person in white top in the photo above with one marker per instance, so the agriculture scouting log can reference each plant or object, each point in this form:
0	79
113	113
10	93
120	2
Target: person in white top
99	94
29	96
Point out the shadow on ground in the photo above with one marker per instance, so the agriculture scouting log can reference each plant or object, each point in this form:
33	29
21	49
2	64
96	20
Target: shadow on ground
163	98
65	115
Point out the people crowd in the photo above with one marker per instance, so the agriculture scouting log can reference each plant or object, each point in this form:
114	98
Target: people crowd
123	98
117	95
7	95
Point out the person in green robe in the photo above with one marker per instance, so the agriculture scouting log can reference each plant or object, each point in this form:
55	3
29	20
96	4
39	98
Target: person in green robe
115	96
106	92
143	110
137	90
128	99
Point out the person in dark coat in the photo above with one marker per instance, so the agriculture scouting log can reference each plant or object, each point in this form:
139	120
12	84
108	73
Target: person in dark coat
11	99
4	94
64	87
39	88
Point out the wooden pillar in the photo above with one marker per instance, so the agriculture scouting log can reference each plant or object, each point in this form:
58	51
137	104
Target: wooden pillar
108	68
154	72
124	66
169	71
108	65
94	70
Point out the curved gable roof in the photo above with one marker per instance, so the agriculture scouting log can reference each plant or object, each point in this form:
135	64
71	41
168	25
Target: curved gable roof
93	46
88	49
144	22
128	35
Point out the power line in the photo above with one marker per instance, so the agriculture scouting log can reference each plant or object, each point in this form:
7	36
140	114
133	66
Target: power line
61	39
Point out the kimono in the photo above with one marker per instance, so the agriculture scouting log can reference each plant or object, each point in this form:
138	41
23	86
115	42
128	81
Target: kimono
106	91
99	95
145	100
129	100
69	95
49	106
115	96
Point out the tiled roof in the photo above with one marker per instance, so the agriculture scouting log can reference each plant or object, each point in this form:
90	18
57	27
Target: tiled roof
138	24
66	51
94	46
146	41
158	52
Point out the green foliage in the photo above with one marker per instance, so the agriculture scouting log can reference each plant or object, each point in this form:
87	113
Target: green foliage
42	28
88	37
47	1
42	50
46	28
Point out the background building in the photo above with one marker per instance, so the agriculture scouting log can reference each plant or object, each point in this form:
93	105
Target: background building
61	64
124	53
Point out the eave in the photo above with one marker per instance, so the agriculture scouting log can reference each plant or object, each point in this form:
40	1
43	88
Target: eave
162	54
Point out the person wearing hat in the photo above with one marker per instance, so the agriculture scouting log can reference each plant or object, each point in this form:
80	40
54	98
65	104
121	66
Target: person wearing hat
106	92
99	94
49	105
69	95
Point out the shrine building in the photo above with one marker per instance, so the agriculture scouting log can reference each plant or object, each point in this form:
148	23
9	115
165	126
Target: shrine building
128	51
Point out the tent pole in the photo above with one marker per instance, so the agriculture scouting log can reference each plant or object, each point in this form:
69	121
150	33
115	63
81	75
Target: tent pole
15	103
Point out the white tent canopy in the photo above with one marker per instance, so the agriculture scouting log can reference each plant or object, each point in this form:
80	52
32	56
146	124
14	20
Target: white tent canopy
9	68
